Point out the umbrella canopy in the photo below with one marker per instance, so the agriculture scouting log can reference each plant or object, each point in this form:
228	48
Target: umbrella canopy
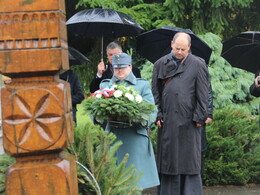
243	51
76	57
103	22
156	43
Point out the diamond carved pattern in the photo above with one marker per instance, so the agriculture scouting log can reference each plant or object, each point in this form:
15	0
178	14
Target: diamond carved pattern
36	119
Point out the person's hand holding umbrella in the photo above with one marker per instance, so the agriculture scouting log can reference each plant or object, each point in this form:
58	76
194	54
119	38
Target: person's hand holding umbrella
257	81
101	68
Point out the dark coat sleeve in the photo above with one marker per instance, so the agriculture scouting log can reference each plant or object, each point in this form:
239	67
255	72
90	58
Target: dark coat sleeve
77	93
255	91
94	85
157	90
201	110
210	100
136	72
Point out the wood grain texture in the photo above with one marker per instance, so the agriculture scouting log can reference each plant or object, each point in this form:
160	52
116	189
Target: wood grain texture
47	175
31	5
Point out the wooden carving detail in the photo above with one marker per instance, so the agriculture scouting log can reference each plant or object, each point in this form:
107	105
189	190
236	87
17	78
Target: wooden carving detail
36	107
34	118
39	118
27	36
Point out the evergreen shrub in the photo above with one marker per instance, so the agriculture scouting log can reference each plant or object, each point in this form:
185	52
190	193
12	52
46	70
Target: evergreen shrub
5	162
95	149
233	155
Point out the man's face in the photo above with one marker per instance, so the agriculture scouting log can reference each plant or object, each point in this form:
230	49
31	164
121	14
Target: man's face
111	52
122	73
180	47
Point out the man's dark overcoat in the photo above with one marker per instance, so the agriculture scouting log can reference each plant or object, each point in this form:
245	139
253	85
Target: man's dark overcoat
182	101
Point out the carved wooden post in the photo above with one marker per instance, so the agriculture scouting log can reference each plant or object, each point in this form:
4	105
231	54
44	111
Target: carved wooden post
36	107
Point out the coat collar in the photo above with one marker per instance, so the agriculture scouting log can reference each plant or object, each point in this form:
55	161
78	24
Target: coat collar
169	69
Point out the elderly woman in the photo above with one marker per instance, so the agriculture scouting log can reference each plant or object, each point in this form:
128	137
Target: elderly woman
136	141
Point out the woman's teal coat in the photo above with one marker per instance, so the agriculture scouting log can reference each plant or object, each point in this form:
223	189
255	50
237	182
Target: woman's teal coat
136	141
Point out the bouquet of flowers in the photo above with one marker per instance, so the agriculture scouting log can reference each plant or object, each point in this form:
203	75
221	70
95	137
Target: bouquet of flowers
119	103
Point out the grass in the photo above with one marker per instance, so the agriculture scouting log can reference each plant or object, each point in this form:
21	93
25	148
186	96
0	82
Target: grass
82	118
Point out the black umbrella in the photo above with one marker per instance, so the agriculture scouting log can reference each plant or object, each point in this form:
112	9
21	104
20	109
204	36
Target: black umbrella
76	57
103	23
156	43
243	51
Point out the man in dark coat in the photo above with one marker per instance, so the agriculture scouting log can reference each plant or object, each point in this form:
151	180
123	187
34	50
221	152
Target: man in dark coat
180	89
106	71
77	94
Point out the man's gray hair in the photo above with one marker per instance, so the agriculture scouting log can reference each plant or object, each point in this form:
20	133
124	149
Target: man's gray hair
182	34
114	45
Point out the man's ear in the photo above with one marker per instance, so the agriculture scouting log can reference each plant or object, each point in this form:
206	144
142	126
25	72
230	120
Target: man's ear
172	44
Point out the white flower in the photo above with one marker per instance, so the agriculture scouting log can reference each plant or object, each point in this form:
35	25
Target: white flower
130	96
138	98
118	93
99	95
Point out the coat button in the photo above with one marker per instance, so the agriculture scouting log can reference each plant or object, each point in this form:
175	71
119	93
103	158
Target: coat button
176	111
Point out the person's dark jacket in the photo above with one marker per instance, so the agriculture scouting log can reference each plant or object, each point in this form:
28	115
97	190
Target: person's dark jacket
94	85
210	101
204	144
77	94
255	91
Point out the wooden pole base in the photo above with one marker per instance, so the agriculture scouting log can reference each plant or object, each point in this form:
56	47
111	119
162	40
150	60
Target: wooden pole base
45	174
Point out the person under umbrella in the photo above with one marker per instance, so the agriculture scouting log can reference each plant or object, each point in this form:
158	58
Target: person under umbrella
180	88
106	71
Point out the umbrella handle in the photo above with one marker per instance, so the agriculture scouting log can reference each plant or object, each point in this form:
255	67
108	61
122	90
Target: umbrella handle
102	49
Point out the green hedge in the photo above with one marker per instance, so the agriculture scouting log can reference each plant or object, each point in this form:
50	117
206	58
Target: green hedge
233	155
